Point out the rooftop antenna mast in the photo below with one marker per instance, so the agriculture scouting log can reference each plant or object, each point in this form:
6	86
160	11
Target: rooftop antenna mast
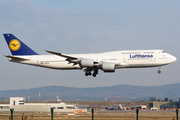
29	98
105	99
39	96
57	97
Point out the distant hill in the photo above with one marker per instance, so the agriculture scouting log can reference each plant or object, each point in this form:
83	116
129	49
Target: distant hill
126	92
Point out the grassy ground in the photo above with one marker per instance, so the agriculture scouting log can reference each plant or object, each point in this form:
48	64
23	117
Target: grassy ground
87	116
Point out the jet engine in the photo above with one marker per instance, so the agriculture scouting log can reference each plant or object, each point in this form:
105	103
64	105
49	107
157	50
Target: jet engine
87	63
108	67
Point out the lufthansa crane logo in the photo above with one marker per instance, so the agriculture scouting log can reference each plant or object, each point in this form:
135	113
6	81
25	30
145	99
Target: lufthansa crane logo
14	45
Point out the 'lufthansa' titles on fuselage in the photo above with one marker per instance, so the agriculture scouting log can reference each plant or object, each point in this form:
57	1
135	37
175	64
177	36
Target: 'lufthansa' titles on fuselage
141	56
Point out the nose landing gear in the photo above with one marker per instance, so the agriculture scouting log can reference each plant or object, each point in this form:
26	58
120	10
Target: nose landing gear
159	70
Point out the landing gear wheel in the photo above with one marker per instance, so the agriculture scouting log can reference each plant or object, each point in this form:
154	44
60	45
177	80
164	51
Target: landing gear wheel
94	74
89	73
159	71
86	74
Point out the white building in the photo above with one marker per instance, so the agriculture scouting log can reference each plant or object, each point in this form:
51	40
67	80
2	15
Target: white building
17	101
19	104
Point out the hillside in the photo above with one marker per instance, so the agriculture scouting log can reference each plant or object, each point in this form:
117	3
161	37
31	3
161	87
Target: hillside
126	92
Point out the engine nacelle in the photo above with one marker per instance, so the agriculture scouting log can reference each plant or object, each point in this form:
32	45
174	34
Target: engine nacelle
87	63
108	67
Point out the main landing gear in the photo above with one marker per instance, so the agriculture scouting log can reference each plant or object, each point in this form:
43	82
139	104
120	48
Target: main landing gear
159	70
95	73
88	73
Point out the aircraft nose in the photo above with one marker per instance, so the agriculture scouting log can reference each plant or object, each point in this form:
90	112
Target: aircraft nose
174	59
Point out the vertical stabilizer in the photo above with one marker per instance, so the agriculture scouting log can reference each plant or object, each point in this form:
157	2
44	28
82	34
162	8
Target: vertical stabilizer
17	47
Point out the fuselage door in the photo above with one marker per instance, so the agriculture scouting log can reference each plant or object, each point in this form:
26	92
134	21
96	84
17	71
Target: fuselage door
38	62
155	56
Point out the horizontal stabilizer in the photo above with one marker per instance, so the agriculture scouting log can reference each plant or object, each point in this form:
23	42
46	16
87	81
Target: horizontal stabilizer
16	58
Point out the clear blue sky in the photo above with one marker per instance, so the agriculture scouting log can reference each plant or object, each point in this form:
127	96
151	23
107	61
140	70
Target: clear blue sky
81	26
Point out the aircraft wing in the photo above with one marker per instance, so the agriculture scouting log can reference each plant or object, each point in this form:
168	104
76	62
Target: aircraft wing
62	55
73	59
16	58
70	59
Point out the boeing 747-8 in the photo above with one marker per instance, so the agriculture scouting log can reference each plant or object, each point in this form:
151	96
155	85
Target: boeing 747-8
90	63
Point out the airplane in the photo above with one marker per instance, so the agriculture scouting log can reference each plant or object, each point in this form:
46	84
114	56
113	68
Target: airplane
90	63
118	107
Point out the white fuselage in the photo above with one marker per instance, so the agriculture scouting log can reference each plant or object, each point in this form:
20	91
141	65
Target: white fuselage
122	59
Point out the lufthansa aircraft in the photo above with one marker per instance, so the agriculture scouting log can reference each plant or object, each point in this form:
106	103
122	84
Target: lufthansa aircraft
90	63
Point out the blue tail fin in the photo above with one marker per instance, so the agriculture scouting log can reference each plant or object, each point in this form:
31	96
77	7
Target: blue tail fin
17	47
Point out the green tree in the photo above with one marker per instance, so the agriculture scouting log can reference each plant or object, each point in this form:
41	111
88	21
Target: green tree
166	99
152	99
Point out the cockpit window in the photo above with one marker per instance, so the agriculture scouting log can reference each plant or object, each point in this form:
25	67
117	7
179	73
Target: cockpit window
163	51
